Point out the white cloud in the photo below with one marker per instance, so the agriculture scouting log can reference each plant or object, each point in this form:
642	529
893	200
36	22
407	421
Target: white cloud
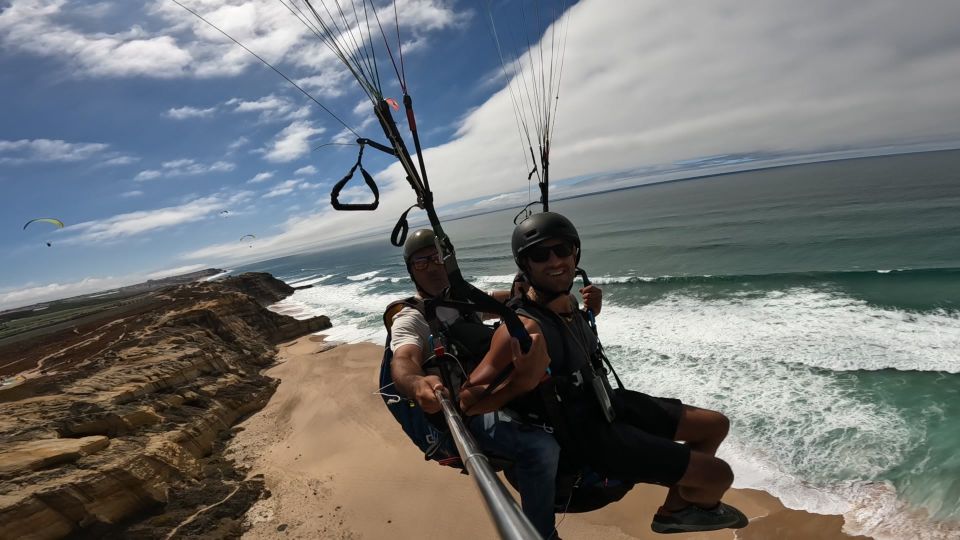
36	27
134	193
644	85
183	167
28	294
148	174
322	228
175	271
46	150
287	187
260	177
292	143
363	108
32	294
309	169
177	44
237	144
185	112
121	160
330	84
145	221
271	108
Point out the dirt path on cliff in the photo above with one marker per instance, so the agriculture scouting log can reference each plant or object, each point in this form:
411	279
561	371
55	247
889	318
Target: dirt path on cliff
339	467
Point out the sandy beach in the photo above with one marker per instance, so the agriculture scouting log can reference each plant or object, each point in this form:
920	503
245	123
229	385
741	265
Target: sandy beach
338	466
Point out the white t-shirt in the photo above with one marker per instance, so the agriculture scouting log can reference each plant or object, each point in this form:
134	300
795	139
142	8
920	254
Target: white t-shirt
410	327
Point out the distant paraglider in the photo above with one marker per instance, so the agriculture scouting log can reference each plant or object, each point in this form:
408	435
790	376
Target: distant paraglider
55	222
250	236
224	213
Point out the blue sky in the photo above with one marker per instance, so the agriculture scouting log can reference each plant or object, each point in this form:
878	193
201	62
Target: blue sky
138	126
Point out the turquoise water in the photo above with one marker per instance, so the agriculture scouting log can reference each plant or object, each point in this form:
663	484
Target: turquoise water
816	305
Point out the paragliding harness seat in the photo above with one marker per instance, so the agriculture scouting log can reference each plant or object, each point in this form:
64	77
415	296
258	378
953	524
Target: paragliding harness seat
467	339
579	489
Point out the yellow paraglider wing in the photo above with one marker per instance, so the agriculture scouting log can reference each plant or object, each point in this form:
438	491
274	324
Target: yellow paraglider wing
56	222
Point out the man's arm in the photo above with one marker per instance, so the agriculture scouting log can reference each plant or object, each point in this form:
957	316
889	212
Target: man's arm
410	332
529	370
410	379
500	296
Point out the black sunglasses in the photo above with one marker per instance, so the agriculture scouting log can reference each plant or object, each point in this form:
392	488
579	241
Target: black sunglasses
541	254
421	263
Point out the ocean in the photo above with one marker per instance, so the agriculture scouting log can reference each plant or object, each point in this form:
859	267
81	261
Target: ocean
816	305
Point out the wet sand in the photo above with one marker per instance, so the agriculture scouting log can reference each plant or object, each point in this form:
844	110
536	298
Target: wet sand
338	466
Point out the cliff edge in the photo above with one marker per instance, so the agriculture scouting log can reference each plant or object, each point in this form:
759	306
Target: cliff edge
117	420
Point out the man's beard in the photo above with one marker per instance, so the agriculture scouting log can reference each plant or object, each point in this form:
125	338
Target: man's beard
545	295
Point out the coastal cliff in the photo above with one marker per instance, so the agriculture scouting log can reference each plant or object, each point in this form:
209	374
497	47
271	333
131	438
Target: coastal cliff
113	425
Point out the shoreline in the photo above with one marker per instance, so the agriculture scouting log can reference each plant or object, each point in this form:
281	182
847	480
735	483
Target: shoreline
337	465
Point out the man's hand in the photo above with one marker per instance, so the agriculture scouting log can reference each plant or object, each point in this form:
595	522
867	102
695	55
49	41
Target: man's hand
592	298
532	366
425	395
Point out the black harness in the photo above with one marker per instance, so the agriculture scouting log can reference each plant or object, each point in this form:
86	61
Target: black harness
577	390
462	342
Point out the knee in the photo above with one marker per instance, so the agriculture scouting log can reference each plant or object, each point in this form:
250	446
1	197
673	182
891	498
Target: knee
723	473
714	426
541	450
721	425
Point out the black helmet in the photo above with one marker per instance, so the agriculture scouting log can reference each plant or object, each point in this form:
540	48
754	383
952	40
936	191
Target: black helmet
418	240
540	228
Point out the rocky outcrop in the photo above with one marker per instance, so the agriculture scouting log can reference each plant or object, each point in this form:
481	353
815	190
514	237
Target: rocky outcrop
123	417
260	285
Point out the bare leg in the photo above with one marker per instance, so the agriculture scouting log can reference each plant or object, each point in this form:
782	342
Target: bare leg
706	480
703	430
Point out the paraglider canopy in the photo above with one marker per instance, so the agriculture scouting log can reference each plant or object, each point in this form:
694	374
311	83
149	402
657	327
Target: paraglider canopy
244	237
53	221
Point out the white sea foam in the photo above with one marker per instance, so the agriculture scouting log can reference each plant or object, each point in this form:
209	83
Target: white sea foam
382	279
606	280
798	325
354	313
497	281
797	432
218	276
364	276
310	280
299	281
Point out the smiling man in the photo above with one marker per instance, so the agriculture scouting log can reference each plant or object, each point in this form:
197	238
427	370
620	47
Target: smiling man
621	433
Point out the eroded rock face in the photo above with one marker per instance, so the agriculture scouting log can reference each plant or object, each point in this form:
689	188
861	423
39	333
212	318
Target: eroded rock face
118	417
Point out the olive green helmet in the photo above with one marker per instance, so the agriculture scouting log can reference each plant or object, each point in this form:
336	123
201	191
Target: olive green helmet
420	239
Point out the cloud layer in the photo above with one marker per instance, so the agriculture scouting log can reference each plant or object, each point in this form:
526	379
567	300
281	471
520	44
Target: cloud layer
183	167
644	85
148	221
46	150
